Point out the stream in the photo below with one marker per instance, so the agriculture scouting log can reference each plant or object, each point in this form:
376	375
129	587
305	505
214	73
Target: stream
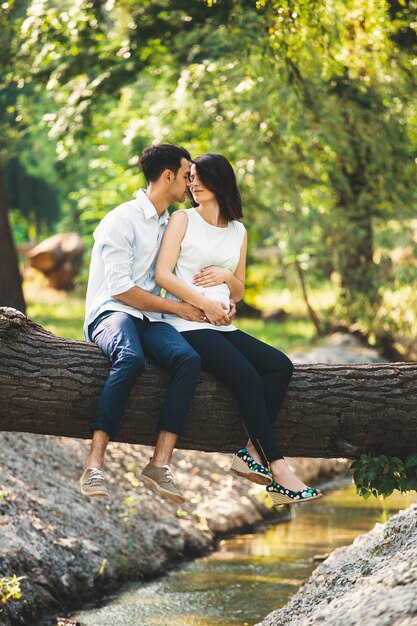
250	575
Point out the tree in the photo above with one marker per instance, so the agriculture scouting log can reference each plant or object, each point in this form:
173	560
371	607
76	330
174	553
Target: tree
11	293
330	410
317	104
315	108
73	58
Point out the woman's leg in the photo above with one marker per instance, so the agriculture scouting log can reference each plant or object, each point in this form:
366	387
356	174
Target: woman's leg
224	360
275	369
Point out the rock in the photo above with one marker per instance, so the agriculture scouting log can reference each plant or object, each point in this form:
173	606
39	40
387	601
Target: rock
247	310
339	348
373	582
277	315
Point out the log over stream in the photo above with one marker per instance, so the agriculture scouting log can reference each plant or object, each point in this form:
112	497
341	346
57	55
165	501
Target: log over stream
51	385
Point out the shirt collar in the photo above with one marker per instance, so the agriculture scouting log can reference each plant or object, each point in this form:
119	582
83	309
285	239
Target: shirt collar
148	208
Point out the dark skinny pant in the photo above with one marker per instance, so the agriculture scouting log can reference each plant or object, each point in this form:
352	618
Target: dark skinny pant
255	372
125	340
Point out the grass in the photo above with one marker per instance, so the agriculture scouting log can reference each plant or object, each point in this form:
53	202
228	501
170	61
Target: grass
269	295
287	336
60	312
65	320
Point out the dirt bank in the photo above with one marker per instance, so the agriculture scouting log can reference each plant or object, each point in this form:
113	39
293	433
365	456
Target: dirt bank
71	549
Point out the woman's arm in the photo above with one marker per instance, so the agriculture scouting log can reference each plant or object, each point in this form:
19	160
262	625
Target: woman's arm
213	275
165	277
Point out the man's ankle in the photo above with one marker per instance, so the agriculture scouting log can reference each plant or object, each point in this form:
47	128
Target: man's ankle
160	461
92	462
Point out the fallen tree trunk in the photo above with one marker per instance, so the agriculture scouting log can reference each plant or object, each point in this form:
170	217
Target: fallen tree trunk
59	258
51	385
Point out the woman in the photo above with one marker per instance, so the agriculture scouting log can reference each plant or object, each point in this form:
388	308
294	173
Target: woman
202	261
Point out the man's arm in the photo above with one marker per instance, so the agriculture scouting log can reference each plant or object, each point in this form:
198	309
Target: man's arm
116	242
141	299
232	311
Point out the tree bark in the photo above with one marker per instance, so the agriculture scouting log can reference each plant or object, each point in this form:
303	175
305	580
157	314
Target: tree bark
11	293
51	385
311	312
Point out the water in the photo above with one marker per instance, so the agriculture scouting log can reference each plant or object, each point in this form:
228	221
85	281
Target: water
249	575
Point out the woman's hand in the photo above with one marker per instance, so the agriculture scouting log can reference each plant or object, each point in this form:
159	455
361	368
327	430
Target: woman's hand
232	310
215	312
212	275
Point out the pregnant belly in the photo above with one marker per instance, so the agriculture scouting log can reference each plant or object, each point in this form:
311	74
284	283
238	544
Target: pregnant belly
219	293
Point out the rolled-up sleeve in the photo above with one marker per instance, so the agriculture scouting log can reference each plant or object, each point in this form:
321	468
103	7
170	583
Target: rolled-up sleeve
115	241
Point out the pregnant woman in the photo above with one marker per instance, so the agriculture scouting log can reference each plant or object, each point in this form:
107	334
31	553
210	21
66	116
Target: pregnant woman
202	261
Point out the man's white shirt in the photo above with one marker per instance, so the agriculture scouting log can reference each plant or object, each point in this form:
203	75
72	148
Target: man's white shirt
126	246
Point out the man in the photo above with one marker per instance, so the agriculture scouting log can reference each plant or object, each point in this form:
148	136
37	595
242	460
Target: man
124	318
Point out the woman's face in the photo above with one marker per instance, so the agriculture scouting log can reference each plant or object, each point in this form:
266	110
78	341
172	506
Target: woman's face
200	193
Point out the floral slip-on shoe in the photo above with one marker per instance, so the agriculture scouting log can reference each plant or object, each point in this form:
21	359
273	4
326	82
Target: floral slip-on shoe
244	465
281	495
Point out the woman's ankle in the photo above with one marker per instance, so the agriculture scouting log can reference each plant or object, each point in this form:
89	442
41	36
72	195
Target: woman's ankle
283	475
254	453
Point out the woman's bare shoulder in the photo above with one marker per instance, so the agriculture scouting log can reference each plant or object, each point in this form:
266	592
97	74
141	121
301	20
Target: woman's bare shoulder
180	216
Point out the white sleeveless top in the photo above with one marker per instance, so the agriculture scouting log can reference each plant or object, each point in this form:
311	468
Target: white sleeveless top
204	244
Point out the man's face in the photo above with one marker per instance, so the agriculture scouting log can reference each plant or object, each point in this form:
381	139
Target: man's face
181	182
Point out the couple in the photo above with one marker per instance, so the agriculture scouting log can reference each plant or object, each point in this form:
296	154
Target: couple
200	262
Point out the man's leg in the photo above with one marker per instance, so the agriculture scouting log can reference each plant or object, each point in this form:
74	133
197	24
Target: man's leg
92	479
169	349
164	448
157	473
98	448
117	336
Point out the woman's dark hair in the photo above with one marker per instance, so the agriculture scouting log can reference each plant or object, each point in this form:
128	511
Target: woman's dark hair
217	175
156	159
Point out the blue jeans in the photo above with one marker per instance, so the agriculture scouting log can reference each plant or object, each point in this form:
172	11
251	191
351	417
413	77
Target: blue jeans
126	340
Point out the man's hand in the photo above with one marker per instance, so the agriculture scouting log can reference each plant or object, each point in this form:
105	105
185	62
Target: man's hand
191	313
216	312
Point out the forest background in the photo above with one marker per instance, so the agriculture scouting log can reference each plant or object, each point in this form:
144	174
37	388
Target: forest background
313	102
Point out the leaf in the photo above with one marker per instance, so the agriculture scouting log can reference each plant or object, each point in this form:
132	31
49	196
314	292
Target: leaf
411	460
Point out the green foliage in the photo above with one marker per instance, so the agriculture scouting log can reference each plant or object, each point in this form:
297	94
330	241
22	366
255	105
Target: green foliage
381	475
10	588
315	108
35	201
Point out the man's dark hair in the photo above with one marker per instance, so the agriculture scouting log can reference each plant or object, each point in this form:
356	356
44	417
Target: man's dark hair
217	175
156	159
